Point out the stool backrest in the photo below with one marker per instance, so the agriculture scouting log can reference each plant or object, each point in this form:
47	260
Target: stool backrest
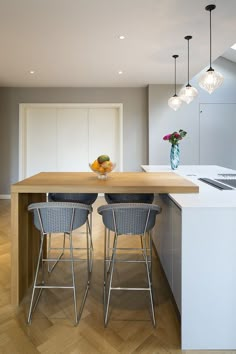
129	218
112	198
59	217
83	198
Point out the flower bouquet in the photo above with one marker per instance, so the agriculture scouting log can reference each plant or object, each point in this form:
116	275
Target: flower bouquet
175	137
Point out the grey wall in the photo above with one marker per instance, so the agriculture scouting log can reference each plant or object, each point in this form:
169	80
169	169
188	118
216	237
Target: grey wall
163	120
135	125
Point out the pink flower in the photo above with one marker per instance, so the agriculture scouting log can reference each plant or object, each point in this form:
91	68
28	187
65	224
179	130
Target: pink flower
167	137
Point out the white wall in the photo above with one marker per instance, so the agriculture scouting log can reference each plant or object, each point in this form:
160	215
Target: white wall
163	120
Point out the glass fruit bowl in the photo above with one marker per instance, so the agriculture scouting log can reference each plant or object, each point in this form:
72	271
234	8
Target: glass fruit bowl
103	169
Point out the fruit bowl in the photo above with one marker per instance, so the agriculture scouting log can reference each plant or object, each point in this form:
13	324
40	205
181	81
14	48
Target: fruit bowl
102	169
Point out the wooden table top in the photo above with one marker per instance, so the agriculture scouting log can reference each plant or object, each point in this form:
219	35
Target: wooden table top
117	182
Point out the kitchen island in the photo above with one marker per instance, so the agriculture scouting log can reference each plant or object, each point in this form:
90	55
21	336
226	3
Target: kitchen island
196	242
25	237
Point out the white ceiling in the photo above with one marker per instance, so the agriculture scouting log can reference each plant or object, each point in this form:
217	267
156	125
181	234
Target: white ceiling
74	43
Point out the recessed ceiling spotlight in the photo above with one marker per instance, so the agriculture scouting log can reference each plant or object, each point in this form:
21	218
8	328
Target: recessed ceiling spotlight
32	72
234	46
120	72
121	37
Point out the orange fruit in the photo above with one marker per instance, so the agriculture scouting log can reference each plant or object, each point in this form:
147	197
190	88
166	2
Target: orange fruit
95	165
101	169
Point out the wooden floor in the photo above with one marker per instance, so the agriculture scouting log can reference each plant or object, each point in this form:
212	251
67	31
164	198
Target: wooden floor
52	330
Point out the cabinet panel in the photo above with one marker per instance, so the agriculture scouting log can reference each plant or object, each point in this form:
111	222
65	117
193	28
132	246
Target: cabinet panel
104	134
41	141
72	142
163	236
177	246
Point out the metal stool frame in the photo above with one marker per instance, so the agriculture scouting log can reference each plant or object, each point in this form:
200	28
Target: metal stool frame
82	198
127	219
56	217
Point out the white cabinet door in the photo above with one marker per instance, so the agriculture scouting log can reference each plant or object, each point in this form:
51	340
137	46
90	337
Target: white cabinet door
41	141
104	134
72	140
217	135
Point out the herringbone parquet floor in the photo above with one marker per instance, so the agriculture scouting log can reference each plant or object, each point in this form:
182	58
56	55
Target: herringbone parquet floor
52	330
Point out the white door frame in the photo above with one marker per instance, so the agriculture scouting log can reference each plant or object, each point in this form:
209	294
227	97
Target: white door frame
23	107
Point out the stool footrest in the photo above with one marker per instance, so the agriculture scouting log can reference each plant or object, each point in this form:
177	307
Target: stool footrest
53	287
119	288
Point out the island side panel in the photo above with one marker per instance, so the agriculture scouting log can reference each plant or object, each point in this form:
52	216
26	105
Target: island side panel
25	242
167	240
208	317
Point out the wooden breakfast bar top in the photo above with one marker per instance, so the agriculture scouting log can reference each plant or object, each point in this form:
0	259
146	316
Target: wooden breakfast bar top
117	182
25	238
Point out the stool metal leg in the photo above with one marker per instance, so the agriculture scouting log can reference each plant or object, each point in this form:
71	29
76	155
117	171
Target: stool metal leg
111	278
90	228
105	271
73	277
50	268
88	240
149	281
32	307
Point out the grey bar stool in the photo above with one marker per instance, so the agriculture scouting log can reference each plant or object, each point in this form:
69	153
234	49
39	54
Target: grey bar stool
127	219
63	218
83	198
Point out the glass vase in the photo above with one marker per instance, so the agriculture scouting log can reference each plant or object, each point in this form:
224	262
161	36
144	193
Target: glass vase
174	156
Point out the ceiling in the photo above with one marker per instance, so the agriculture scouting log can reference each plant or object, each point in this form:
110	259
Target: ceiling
75	43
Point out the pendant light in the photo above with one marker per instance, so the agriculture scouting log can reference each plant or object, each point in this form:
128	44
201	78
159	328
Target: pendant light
211	79
188	92
175	101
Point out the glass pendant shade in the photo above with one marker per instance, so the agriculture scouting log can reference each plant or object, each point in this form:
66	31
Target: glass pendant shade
188	93
211	79
175	102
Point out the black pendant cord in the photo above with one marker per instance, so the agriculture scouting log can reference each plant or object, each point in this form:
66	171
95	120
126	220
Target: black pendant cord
210	8
175	76
188	62
210	40
175	57
188	39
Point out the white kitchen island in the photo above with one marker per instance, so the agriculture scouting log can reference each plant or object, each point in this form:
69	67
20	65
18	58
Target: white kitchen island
196	242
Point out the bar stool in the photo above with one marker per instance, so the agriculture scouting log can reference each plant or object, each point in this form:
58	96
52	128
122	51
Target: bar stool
127	219
129	198
50	218
83	198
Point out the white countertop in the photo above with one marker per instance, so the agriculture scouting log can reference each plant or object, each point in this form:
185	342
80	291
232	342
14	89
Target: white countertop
208	196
